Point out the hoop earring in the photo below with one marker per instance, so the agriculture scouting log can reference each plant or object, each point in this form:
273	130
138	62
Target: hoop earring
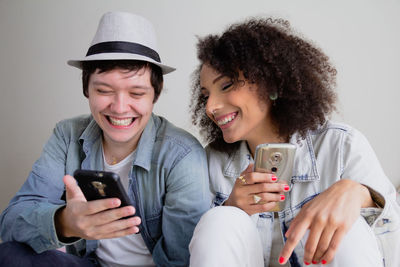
273	96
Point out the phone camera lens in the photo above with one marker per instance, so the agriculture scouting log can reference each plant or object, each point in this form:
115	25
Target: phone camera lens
274	169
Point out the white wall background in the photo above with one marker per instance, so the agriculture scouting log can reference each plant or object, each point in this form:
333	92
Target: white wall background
37	88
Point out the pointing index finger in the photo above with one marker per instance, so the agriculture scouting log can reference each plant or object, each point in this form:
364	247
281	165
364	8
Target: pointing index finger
293	238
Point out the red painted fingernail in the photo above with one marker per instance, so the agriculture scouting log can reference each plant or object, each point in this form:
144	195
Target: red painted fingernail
281	260
274	178
282	197
306	263
314	262
323	261
286	188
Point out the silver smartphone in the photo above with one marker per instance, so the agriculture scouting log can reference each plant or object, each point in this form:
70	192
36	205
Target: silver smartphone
276	158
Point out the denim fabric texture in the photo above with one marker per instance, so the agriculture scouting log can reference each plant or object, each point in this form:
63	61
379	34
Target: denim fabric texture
14	254
168	186
333	152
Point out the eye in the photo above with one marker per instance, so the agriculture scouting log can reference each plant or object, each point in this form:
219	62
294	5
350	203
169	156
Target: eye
226	86
103	91
137	94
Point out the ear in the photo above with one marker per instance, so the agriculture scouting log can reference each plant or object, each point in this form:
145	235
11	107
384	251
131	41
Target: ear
156	97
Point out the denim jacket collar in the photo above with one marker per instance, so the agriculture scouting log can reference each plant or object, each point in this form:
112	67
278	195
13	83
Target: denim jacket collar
145	146
304	163
90	135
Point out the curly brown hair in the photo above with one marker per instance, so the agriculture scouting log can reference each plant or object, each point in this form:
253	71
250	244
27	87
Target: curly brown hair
271	55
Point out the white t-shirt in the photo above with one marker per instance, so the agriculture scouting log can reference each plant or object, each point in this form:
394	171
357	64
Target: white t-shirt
129	250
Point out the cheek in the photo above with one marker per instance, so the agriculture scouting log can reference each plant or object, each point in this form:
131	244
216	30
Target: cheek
144	107
92	104
97	103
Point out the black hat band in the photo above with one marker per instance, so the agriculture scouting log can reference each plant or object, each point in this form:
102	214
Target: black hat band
123	47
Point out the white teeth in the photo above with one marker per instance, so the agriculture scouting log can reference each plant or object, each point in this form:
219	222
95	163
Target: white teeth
226	119
120	122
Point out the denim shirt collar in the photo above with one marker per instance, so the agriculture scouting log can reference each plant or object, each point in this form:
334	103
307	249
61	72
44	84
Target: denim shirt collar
90	135
305	165
238	161
144	150
91	142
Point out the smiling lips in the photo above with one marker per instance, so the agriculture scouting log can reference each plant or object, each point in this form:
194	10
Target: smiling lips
125	122
224	120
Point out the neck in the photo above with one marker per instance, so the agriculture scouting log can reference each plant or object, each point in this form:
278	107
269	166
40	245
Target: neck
115	153
267	136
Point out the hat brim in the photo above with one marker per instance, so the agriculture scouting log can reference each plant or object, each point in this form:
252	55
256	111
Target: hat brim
119	56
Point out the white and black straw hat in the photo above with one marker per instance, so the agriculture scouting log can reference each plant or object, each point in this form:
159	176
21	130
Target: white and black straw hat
123	36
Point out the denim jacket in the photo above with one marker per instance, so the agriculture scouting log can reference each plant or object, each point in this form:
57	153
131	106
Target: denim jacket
331	153
168	187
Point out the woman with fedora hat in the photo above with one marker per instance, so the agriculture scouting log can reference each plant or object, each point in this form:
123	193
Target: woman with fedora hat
163	168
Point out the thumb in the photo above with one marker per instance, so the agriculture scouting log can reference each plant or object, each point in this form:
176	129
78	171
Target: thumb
72	189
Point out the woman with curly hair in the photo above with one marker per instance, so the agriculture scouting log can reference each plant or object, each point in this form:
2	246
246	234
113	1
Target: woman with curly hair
259	82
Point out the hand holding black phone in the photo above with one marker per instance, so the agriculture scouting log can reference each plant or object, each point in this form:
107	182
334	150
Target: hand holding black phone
100	185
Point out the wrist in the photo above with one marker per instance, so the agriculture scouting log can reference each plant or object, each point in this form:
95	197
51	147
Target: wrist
377	199
59	223
367	198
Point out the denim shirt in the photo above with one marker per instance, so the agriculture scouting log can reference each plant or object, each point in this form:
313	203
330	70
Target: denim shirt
333	152
168	186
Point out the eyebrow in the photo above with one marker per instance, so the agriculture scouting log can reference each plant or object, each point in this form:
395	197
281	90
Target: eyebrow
98	83
218	78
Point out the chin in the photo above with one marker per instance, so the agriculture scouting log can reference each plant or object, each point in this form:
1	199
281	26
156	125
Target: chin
230	140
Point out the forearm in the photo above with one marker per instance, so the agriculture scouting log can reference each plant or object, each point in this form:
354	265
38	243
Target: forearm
31	223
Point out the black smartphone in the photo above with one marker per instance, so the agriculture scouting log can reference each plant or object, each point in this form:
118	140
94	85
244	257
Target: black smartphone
100	184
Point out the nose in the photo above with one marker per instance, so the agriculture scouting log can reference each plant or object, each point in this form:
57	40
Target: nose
214	103
120	103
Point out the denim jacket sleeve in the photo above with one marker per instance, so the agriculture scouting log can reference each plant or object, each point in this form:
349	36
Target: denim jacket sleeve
361	164
29	218
187	198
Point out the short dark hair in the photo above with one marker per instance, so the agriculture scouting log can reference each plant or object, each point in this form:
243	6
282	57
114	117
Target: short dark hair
278	61
89	67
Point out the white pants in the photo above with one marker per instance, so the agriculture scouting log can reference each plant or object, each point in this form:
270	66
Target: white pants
226	236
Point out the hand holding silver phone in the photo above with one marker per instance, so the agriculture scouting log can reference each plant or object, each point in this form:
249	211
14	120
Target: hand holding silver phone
276	158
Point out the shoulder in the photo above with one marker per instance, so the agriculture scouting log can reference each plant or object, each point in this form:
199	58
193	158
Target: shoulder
336	132
339	141
72	128
167	134
81	120
216	157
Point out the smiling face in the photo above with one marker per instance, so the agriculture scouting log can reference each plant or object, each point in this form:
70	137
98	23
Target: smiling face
236	108
121	102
